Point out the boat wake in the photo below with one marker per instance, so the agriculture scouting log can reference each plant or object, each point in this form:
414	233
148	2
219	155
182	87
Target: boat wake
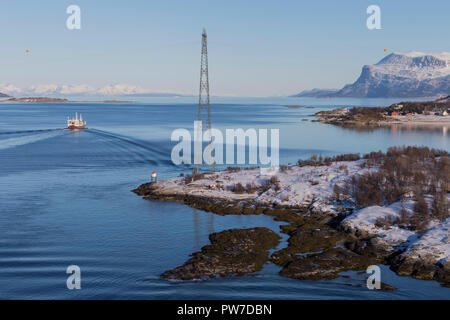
139	151
18	138
28	131
76	147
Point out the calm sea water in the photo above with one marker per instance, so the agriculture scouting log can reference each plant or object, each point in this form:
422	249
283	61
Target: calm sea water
65	199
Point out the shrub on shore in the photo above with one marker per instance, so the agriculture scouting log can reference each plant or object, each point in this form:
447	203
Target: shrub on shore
238	188
188	178
319	160
251	188
384	222
403	171
274	182
440	207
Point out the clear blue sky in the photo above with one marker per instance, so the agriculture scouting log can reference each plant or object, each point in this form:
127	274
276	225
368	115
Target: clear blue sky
256	48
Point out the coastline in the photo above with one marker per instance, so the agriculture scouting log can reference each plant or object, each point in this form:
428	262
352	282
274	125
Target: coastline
58	100
325	237
336	118
421	113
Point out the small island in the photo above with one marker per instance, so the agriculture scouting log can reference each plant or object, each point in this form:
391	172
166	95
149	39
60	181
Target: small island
343	213
294	106
57	100
35	100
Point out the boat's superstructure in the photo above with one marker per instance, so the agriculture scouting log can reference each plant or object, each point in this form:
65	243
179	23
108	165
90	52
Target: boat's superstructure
76	123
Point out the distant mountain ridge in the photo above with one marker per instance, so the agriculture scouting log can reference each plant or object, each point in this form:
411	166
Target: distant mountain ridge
85	90
400	75
443	99
317	92
2	95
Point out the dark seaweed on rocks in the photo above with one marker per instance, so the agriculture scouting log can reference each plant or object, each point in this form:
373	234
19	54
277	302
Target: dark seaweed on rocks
326	265
231	252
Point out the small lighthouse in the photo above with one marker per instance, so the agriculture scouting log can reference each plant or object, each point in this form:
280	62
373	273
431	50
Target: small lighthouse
154	177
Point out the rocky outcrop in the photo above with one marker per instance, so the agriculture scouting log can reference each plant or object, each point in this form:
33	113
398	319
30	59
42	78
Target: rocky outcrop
320	245
231	252
424	258
327	264
218	205
421	267
307	236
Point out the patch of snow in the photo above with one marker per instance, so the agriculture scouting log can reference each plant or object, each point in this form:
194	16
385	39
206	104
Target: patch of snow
298	185
415	54
365	219
435	242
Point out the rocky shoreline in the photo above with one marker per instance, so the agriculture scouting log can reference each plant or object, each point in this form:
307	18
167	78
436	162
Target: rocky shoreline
231	252
321	243
423	113
311	253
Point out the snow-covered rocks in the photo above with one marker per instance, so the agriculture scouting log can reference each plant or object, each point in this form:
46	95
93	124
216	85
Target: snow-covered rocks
428	257
424	257
363	223
411	74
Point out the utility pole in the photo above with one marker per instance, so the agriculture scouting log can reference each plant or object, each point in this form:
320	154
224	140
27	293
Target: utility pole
203	97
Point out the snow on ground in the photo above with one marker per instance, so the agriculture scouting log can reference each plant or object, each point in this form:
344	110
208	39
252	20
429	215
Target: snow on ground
298	185
364	221
436	241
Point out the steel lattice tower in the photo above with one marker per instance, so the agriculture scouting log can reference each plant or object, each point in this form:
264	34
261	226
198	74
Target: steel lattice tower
203	97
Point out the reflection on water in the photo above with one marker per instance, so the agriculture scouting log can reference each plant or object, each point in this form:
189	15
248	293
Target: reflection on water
424	128
402	128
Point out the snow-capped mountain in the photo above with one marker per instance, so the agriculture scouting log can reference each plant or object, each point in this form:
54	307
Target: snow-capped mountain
443	99
83	90
412	74
399	75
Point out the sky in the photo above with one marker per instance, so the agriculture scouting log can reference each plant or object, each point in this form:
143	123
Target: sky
255	48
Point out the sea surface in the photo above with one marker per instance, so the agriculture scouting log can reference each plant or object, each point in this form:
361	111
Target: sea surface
65	199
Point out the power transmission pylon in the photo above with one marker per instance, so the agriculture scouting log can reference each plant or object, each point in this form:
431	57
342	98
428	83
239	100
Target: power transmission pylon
203	97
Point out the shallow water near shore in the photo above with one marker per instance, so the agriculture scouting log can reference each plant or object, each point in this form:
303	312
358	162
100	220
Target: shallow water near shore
65	199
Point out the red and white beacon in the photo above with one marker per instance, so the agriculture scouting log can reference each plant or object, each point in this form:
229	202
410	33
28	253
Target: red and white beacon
154	177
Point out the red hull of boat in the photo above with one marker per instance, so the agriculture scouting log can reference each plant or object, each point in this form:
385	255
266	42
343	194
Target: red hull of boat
75	127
